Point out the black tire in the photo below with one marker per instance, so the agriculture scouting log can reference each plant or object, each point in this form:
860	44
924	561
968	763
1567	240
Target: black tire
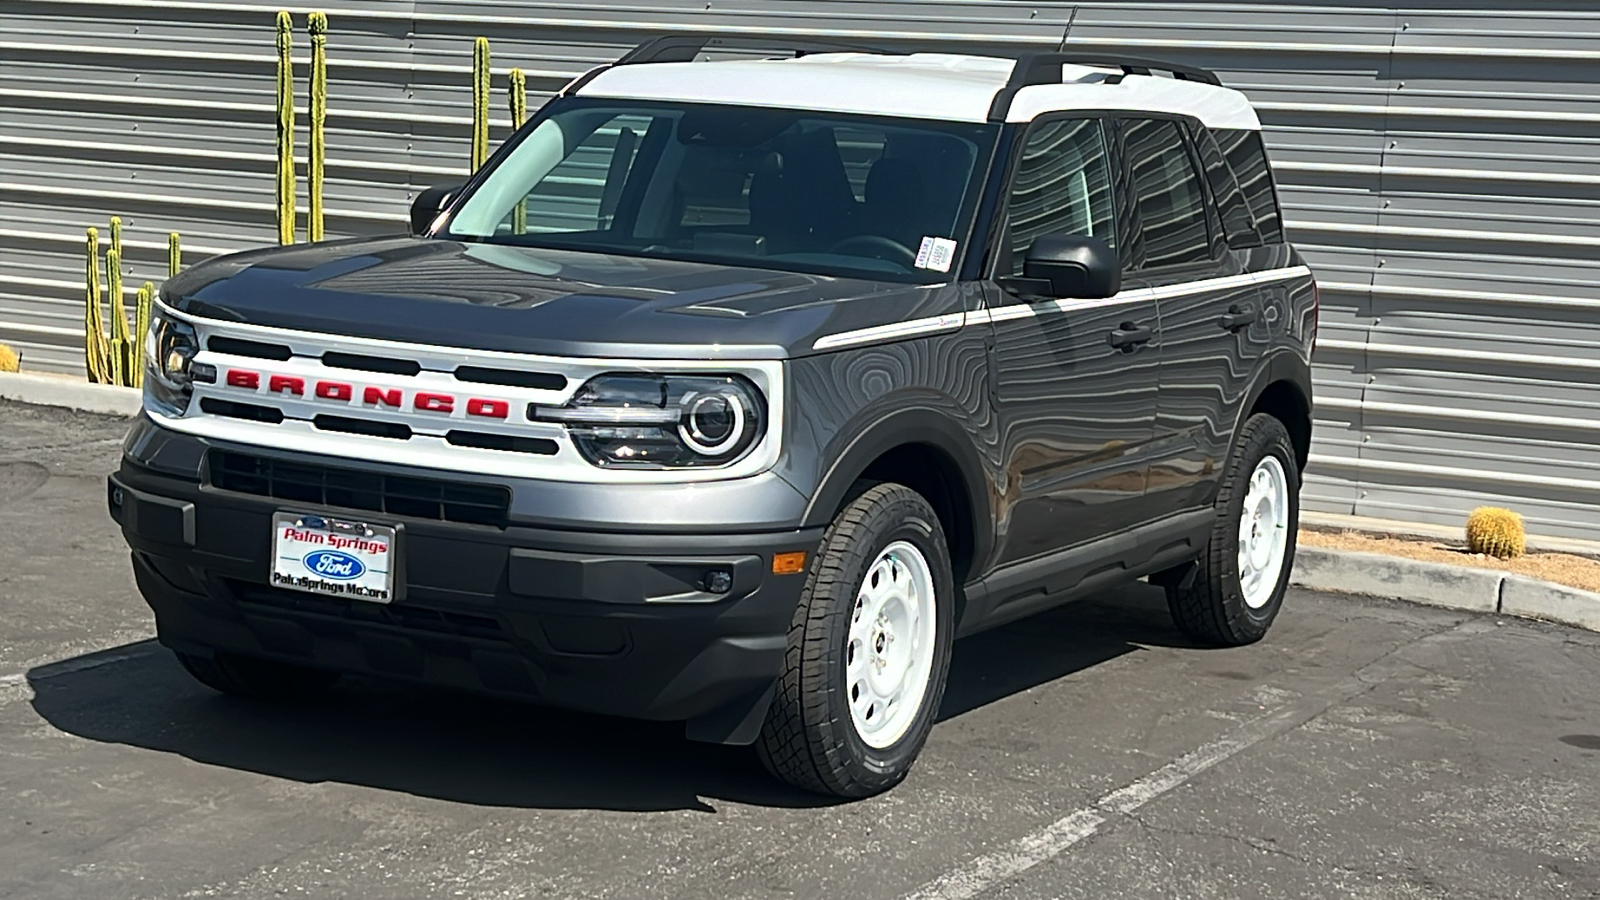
809	739
258	679
1209	605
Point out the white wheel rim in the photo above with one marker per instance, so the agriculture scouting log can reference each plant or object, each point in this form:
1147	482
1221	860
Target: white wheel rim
1263	532
888	653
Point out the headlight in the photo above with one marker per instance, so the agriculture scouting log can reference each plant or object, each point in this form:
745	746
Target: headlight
169	366
662	421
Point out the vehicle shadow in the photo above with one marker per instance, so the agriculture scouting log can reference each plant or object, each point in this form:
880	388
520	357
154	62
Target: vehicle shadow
491	752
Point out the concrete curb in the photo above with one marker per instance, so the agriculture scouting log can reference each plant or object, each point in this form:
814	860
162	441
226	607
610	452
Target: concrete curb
72	393
1447	586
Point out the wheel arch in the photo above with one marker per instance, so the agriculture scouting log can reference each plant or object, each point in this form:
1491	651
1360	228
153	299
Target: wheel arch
929	453
1283	391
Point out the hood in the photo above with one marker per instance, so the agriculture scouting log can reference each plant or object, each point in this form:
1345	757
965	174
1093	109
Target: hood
532	300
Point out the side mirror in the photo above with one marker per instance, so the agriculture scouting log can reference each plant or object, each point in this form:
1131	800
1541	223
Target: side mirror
1075	267
429	204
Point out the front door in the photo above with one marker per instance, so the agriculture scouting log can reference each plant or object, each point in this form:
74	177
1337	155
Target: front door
1074	380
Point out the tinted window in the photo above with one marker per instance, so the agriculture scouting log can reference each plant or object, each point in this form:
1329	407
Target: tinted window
781	189
1247	157
1166	187
1237	222
1062	185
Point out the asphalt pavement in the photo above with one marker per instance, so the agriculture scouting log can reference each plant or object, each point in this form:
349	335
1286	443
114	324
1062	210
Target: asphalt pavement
1365	749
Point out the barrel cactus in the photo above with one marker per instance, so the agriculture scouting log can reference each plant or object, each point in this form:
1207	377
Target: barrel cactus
10	360
1496	532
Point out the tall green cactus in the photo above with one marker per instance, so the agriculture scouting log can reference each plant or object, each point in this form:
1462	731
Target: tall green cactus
286	181
118	310
480	102
519	114
317	26
174	254
141	318
118	305
96	354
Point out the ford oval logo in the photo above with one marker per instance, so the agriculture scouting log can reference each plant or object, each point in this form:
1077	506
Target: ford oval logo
334	565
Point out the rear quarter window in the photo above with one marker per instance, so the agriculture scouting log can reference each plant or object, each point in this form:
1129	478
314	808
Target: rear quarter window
1246	154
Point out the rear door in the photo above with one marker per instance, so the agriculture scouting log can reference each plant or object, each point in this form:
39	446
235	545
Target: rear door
1076	411
1207	301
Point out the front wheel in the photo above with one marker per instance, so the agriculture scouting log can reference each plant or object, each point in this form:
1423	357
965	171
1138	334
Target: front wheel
1238	587
869	650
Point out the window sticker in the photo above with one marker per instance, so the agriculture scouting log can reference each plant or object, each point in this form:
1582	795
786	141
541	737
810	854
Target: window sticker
936	253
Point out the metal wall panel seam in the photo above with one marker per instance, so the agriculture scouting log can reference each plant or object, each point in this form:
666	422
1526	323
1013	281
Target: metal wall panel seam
1522	359
1466	415
1456	472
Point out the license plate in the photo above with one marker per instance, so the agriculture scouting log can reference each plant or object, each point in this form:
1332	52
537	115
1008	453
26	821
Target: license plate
333	557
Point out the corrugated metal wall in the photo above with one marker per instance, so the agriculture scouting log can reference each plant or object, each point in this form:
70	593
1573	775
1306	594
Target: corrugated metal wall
1437	163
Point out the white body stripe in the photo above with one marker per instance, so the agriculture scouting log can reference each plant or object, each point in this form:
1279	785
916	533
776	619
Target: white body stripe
954	321
943	86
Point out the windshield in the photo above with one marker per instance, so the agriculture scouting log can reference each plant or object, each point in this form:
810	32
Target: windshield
776	189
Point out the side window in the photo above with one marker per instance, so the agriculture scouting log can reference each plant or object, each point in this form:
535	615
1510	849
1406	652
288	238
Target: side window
1166	187
1062	185
1247	157
1238	224
582	191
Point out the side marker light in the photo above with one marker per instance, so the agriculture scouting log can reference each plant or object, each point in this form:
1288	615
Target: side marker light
789	563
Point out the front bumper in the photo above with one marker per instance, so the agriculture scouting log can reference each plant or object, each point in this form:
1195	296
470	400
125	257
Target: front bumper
603	622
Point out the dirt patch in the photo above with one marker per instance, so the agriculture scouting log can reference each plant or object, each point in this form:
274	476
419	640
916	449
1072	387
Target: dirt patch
1573	571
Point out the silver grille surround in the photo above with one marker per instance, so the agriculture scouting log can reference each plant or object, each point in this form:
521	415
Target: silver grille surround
427	447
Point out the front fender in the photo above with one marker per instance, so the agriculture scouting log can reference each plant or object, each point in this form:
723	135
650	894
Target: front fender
873	435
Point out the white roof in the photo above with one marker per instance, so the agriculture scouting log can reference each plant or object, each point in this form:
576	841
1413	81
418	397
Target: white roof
919	85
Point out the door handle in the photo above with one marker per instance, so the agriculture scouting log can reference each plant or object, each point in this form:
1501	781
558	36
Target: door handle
1238	317
1127	336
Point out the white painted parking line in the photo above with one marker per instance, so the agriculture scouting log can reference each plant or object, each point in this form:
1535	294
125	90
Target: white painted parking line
990	869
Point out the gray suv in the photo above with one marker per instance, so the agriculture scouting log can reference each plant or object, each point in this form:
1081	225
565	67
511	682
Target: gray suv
733	392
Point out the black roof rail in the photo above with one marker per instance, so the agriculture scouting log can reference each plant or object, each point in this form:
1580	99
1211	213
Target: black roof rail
1045	68
1031	68
685	47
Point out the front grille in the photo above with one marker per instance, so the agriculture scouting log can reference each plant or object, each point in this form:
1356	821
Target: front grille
338	360
393	430
544	381
242	347
504	442
418	498
233	410
411	618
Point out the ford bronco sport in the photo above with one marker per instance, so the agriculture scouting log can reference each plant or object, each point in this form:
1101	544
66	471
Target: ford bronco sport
732	392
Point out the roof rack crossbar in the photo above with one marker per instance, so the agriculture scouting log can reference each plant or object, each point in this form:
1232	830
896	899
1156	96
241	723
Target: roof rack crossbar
685	47
1045	68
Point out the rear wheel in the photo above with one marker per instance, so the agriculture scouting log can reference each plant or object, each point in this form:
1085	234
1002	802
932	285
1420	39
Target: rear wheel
260	679
1239	583
869	650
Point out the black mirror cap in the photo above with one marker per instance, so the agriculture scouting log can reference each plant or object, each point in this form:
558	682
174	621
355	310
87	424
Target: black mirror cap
429	204
1076	267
